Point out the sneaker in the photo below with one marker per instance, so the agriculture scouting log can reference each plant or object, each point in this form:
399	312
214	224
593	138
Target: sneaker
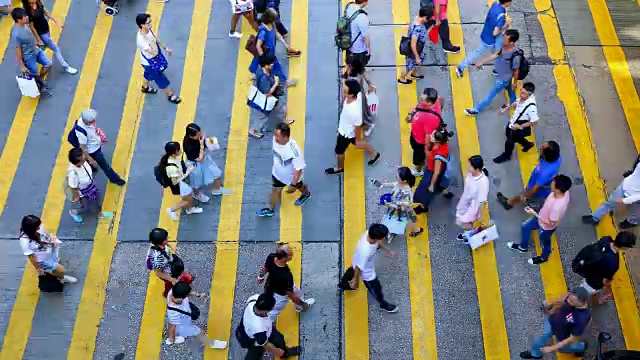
194	210
528	147
513	246
501	159
303	199
235	34
218	344
265	212
368	132
589	219
527	355
172	214
453	50
201	197
494	72
536	260
293	351
504	201
177	340
392	309
221	191
309	302
76	217
415	172
459	73
460	237
374	160
471	112
69	279
71	70
447	194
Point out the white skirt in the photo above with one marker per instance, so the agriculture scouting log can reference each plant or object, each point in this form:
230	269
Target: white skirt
185	190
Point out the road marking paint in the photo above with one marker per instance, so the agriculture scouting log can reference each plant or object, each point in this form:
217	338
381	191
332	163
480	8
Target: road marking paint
91	306
494	332
423	324
6	23
26	301
226	263
622	285
150	335
290	214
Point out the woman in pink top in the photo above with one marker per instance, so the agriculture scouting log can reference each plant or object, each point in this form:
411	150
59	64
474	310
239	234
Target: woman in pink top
546	221
440	18
474	196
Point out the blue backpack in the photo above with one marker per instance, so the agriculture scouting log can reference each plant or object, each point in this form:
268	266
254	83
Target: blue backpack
72	138
448	176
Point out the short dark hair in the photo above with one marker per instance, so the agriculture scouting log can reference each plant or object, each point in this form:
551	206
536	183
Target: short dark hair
426	11
284	128
563	183
141	19
265	302
625	239
75	155
181	290
270	16
551	152
431	94
378	231
267	59
505	1
353	87
157	236
512	34
18	13
529	87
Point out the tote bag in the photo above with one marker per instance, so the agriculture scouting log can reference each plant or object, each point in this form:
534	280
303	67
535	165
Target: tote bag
482	236
372	101
260	101
28	86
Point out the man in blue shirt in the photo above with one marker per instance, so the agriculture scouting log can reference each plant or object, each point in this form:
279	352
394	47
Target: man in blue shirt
539	185
495	23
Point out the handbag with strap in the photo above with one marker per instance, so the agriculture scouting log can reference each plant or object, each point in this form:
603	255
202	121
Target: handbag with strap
194	314
526	131
259	101
405	43
159	62
252	44
90	192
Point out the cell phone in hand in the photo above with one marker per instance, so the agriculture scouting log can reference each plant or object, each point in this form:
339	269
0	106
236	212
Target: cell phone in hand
376	183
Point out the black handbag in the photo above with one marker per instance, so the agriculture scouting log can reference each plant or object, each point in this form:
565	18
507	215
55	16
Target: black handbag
526	131
48	283
194	314
405	44
175	264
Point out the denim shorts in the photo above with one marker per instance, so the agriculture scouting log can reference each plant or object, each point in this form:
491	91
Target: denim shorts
51	263
31	63
158	77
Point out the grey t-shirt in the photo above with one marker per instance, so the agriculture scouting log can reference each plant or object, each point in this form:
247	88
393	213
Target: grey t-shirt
359	29
505	67
23	37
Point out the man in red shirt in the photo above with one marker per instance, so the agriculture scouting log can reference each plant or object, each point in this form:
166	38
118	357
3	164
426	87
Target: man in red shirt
426	119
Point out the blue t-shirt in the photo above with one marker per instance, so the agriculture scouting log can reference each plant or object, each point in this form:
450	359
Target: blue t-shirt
495	19
568	321
543	175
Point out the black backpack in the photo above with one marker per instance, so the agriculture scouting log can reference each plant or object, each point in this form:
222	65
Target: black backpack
587	259
49	284
524	64
160	174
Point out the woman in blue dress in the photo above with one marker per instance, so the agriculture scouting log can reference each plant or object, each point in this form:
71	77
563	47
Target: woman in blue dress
417	35
266	41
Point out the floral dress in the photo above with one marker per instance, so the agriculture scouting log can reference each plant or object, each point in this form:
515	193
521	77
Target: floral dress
419	31
402	198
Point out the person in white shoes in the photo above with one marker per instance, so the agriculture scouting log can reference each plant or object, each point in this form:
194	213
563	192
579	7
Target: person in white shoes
176	171
280	282
241	8
42	249
179	312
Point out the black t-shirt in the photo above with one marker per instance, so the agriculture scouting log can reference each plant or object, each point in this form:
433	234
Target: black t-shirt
568	321
280	280
191	149
39	20
606	268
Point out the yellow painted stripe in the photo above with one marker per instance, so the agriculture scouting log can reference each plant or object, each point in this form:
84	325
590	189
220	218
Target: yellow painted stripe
5	30
290	214
150	336
90	311
494	332
624	294
223	283
28	294
423	323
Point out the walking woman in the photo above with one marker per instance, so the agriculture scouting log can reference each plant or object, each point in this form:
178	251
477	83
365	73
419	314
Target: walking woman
474	196
417	34
241	8
266	38
39	24
177	171
402	198
206	173
434	181
42	249
152	59
85	195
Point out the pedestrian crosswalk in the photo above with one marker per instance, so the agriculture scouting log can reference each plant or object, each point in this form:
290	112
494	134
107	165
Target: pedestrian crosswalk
454	303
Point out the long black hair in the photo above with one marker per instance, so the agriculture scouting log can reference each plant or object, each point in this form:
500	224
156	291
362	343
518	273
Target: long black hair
191	130
29	226
27	6
477	163
170	148
404	173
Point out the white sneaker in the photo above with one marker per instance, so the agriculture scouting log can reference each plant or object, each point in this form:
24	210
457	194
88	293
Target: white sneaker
172	214
235	34
194	210
221	191
69	279
416	172
309	302
71	70
178	340
218	344
369	130
201	197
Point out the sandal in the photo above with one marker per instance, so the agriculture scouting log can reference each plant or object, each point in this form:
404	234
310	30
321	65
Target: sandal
174	99
149	90
289	122
416	233
256	134
333	171
293	53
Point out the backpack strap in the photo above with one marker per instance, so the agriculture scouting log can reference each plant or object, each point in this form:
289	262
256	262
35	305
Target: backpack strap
79	129
432	113
353	17
442	158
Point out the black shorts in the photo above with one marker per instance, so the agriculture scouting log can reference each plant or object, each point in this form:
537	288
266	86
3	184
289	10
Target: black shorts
279	184
362	57
419	155
342	143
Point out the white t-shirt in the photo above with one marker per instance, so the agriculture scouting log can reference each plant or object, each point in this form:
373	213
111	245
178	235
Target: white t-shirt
176	318
530	114
79	177
145	42
364	257
257	327
42	250
287	159
92	141
350	117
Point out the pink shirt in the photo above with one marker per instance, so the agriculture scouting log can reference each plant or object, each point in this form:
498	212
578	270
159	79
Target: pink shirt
553	210
443	8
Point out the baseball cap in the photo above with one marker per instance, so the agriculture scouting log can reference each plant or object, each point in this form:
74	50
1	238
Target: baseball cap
581	293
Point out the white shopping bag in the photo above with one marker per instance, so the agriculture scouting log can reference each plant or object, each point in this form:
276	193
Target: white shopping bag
28	86
395	225
260	101
212	143
483	236
372	102
241	6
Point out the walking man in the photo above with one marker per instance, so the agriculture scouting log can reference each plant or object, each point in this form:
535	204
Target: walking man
287	170
360	40
90	140
363	265
524	118
507	70
28	54
427	117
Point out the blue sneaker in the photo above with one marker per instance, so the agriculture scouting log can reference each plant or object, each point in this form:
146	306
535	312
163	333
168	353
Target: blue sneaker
266	212
303	199
471	112
76	217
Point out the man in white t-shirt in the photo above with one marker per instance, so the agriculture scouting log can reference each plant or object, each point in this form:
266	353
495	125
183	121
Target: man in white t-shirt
287	170
524	118
364	265
350	127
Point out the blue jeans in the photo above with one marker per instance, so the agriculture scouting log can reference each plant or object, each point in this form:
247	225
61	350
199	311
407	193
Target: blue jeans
545	236
498	87
104	165
610	205
46	39
31	63
476	54
542	340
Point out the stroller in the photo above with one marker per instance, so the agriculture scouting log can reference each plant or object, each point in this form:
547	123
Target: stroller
603	337
111	7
